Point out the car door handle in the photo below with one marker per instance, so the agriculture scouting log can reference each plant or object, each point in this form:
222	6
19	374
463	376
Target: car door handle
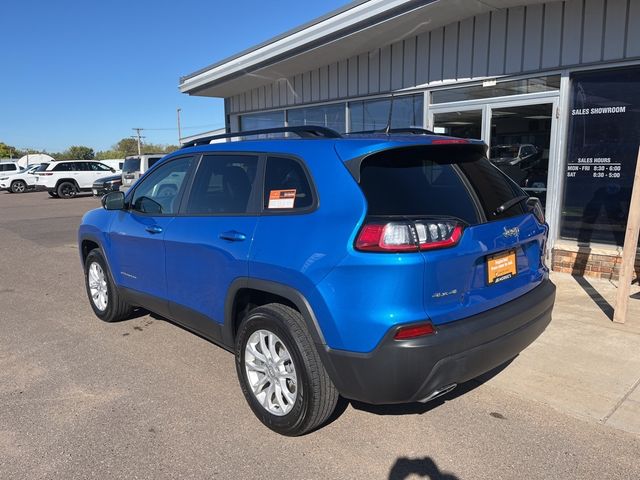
233	236
154	229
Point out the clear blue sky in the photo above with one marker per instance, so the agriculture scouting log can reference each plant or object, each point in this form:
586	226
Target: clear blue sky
85	72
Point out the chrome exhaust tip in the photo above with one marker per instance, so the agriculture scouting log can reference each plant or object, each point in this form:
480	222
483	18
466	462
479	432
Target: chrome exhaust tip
439	392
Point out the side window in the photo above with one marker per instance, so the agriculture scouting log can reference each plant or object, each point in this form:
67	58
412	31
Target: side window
158	193
99	167
223	184
63	167
3	168
153	160
286	185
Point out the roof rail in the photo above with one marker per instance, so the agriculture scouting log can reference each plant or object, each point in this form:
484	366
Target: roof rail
410	130
306	131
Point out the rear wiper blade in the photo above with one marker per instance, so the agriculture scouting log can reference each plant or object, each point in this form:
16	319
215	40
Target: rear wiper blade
510	203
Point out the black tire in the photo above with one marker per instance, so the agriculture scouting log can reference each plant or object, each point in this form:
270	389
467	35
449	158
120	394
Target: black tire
18	186
67	190
116	309
316	396
52	194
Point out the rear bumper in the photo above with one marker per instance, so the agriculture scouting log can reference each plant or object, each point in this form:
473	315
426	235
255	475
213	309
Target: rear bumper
412	370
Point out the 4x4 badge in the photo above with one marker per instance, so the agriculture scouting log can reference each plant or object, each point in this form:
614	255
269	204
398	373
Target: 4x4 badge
511	232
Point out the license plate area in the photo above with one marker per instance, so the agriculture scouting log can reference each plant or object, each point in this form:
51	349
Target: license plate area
501	266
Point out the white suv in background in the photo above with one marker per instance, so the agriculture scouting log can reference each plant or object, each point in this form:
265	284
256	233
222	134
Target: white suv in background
20	182
65	179
9	168
136	165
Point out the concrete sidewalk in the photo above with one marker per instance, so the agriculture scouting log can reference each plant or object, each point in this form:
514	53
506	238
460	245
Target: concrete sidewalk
584	364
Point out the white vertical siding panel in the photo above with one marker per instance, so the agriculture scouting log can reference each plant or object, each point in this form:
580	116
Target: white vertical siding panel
262	97
592	40
352	81
254	99
614	29
422	59
633	32
481	45
284	87
363	74
291	91
306	87
298	83
241	103
374	71
409	63
333	81
572	32
323	79
234	104
343	78
397	57
465	48
532	37
450	57
515	38
552	34
435	54
385	68
276	93
315	85
268	96
497	41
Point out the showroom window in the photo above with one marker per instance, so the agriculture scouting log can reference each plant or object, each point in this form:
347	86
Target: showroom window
331	116
500	89
604	121
262	120
406	111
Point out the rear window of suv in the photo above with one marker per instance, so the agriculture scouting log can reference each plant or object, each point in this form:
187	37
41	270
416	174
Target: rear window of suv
131	165
451	181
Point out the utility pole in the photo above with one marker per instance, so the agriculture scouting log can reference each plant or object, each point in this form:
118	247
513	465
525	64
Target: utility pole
139	137
178	110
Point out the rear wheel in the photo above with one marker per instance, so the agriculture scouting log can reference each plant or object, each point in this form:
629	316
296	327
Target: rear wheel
280	371
67	190
18	186
107	303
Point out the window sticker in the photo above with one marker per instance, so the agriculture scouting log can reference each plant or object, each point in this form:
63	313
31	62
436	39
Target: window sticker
282	198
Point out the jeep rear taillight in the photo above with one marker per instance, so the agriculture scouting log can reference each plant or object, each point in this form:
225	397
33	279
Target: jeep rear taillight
408	235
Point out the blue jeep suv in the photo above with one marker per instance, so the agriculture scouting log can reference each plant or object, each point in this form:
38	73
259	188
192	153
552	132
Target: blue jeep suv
381	267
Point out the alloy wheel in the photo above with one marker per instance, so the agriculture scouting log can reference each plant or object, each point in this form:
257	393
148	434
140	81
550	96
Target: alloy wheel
98	286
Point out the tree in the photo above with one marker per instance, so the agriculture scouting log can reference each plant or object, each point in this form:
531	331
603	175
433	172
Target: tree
79	152
126	146
7	151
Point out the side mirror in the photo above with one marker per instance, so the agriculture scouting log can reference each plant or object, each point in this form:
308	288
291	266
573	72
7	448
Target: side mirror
113	201
113	170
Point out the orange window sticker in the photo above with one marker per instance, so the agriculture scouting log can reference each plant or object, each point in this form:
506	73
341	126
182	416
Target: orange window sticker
282	198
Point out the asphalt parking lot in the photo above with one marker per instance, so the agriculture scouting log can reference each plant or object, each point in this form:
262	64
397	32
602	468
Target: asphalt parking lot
146	399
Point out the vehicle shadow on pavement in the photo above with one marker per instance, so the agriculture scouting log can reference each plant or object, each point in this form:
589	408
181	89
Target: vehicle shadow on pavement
422	408
422	467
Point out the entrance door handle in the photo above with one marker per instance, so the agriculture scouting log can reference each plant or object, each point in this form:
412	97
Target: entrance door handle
233	236
154	229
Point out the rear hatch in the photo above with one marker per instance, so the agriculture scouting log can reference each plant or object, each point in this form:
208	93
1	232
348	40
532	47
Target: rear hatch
130	170
482	246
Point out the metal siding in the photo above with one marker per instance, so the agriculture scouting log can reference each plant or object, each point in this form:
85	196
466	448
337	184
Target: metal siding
315	85
254	99
450	56
241	102
374	71
323	75
435	54
343	78
481	45
552	34
385	68
352	82
571	32
262	97
284	87
397	57
268	98
291	91
515	38
422	59
306	87
333	80
633	33
592	40
363	74
465	49
409	73
532	37
276	93
614	29
298	86
497	41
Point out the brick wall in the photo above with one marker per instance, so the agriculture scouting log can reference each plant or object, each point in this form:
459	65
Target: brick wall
586	262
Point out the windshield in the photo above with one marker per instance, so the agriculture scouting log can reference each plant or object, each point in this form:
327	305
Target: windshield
42	167
131	165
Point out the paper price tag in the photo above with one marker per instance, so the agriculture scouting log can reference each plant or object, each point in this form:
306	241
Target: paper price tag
282	198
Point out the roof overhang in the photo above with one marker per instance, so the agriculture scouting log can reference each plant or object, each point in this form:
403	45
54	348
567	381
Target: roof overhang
356	28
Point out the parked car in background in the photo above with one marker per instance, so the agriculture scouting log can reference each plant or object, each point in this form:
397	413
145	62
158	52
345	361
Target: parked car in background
102	186
523	155
9	168
65	179
21	182
383	268
136	165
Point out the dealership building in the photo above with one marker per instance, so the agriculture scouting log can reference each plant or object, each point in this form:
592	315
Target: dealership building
552	87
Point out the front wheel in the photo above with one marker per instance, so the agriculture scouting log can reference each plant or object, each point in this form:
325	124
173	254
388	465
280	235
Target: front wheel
67	190
18	186
106	302
280	371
